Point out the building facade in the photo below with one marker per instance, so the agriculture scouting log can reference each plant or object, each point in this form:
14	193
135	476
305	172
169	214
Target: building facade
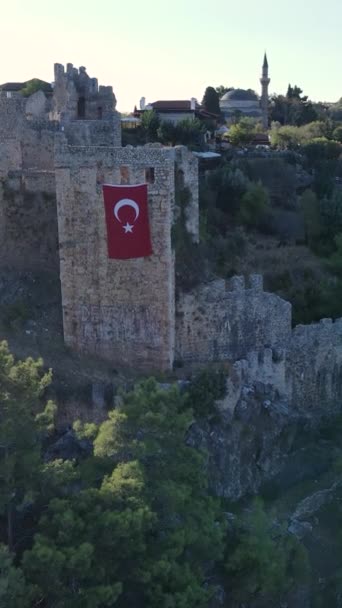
245	102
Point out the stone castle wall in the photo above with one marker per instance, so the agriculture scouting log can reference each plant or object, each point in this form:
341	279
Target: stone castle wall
225	320
12	115
10	156
37	146
94	132
314	368
28	221
307	375
122	310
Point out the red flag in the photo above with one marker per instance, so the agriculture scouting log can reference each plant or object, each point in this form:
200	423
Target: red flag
128	230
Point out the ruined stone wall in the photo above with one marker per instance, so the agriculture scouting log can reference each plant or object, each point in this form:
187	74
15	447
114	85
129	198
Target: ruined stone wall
73	86
28	221
265	367
122	310
94	132
36	105
37	145
225	320
307	375
12	115
10	156
314	367
26	141
187	178
11	125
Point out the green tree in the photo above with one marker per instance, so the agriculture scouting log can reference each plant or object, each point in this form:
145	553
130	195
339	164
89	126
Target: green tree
24	422
207	386
150	123
187	532
190	132
264	559
167	133
187	132
14	593
210	101
293	108
143	535
91	547
254	205
311	212
34	85
331	219
227	185
285	137
322	149
337	134
242	132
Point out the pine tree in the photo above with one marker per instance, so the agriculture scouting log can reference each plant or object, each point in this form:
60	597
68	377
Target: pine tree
210	101
23	424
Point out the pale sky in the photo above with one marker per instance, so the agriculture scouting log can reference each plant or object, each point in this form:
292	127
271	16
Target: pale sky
173	50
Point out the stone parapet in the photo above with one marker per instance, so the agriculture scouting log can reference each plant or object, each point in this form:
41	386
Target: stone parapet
226	320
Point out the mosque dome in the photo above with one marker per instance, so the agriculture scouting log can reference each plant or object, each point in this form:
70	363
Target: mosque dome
242	101
240	95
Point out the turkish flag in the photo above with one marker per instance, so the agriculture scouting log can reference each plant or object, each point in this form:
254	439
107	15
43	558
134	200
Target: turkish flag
128	230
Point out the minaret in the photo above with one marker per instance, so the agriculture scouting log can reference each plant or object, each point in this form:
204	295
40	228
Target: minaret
265	81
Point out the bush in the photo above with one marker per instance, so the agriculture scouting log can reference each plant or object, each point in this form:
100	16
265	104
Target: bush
208	386
265	559
14	314
242	132
311	212
186	132
337	134
34	85
254	205
150	123
320	149
228	185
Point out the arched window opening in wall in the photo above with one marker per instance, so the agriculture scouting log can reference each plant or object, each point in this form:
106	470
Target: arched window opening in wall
81	107
149	175
180	182
124	175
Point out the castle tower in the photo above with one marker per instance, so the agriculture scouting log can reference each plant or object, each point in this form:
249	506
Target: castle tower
264	81
121	310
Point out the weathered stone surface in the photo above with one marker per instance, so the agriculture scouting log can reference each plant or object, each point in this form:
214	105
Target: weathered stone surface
122	310
227	320
28	221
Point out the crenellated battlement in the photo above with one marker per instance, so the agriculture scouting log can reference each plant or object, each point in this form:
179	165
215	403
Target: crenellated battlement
264	367
224	320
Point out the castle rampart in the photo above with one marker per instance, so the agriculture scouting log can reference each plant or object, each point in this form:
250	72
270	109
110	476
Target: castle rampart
225	320
28	221
315	365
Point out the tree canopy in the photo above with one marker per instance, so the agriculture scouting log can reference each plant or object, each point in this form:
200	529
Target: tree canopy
132	522
210	101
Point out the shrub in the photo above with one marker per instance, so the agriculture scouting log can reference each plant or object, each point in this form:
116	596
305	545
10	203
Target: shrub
254	205
265	559
208	386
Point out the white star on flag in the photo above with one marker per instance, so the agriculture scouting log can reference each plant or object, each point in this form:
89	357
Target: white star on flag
128	228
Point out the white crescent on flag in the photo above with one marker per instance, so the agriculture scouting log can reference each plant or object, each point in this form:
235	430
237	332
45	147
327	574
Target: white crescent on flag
126	202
